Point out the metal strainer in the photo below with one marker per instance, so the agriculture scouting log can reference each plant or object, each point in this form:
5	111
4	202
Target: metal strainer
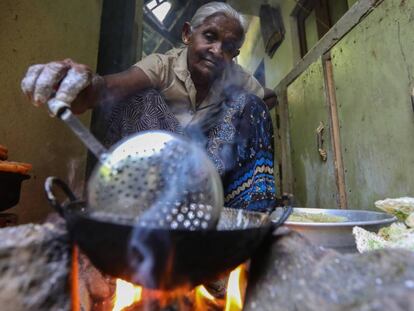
158	178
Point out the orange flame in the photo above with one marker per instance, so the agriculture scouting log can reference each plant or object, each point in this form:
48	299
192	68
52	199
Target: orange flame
236	288
126	294
201	291
202	298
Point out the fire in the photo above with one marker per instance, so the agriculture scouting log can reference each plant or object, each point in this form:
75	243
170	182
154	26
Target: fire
236	288
202	299
126	294
201	291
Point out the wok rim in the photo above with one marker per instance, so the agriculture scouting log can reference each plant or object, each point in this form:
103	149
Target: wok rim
86	214
388	220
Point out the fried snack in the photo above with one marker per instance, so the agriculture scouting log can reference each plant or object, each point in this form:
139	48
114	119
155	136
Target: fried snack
397	235
409	221
399	207
317	217
3	152
15	167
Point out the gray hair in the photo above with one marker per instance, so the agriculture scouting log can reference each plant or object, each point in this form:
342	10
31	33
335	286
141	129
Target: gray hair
213	8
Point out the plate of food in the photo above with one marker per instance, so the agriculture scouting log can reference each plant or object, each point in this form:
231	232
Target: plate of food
332	228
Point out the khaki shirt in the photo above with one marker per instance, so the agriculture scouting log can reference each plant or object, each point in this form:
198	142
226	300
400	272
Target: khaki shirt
169	74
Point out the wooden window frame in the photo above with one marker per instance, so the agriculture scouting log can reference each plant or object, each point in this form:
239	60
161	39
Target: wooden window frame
301	11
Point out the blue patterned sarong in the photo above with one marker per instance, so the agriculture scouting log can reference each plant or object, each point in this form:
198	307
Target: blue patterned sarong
238	138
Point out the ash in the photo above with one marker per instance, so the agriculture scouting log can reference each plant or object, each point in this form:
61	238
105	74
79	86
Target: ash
291	274
34	265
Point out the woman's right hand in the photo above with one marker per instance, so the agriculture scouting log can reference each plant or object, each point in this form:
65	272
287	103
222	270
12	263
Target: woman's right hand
63	80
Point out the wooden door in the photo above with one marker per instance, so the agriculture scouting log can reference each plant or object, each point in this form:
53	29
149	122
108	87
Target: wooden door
313	179
373	70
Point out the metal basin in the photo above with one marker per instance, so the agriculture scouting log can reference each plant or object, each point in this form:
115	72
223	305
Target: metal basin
338	235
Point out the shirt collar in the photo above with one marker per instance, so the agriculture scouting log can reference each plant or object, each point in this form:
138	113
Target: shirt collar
181	68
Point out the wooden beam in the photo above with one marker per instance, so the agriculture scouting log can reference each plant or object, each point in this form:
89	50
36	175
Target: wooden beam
335	131
285	149
351	18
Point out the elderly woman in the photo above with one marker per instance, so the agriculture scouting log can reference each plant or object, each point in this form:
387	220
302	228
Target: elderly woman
197	91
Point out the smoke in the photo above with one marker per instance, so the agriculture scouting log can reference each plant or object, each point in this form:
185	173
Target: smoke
76	176
173	182
151	257
183	179
183	191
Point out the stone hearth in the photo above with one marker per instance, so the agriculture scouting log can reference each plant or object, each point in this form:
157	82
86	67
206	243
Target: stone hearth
287	274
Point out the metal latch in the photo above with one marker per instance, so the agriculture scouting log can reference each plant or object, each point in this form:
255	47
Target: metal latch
319	141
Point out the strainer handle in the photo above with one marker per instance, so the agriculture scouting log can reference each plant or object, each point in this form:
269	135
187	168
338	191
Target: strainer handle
287	210
62	110
55	181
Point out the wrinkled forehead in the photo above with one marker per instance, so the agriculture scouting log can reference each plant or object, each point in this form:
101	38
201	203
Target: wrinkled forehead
224	25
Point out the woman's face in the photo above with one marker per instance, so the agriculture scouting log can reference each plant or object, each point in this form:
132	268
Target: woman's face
212	46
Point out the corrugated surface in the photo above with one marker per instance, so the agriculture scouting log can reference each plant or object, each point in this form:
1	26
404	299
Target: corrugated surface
314	180
373	71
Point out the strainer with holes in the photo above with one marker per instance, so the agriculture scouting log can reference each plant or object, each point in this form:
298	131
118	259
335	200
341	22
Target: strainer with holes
159	178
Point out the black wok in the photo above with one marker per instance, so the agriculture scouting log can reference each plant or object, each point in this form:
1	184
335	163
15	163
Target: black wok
10	185
177	257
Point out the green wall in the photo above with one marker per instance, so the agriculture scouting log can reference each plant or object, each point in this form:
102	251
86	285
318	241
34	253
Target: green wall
283	61
373	80
351	2
37	32
337	8
373	76
311	30
252	52
373	72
